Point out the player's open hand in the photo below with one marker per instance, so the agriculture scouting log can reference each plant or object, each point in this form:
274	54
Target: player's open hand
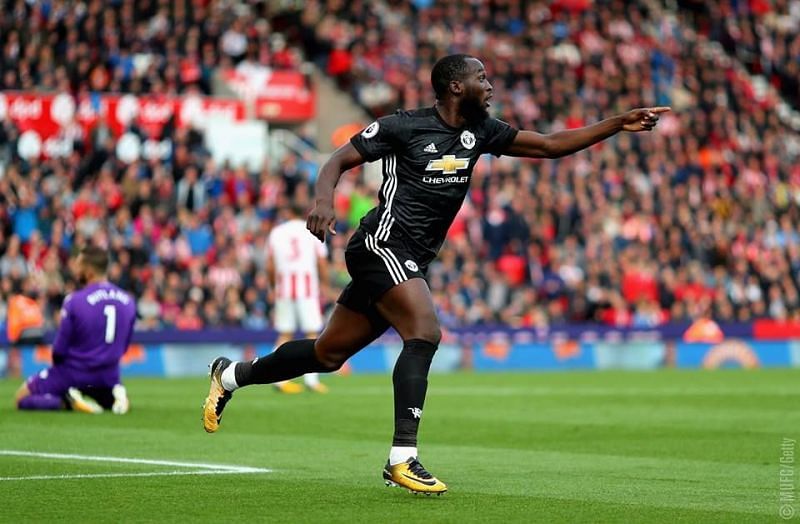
321	219
643	119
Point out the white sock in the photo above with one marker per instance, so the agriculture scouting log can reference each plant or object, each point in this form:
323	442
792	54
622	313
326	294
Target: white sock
312	379
400	454
228	377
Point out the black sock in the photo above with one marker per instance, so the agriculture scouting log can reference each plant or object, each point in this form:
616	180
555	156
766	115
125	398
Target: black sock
410	380
290	360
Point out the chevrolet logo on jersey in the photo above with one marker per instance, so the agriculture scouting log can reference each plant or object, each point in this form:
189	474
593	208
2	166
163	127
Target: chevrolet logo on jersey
448	164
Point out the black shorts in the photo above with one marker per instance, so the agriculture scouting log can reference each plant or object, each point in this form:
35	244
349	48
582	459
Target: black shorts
375	268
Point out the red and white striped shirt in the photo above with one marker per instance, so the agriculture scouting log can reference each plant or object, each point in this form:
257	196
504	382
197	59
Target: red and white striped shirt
295	252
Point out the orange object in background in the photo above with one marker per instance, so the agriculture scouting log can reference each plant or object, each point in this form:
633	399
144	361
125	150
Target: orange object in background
43	355
23	313
497	349
341	135
567	349
704	330
134	353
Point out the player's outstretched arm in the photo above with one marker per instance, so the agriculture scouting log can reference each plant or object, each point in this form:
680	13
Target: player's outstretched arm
322	217
555	145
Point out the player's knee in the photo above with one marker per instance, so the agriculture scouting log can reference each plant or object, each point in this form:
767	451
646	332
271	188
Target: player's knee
331	360
331	363
20	394
429	332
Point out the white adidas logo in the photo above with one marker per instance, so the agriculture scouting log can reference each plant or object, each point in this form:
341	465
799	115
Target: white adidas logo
431	148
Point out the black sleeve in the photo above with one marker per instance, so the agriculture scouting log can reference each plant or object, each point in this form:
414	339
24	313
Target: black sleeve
498	136
378	139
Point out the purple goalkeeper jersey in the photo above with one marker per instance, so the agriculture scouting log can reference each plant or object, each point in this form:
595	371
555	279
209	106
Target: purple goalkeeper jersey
96	328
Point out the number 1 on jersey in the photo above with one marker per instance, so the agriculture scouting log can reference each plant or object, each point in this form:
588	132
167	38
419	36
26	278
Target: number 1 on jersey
111	322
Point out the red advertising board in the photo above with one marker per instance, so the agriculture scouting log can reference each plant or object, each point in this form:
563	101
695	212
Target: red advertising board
279	96
48	117
767	329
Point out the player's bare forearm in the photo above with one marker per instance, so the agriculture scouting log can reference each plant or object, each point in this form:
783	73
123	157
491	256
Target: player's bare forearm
562	143
345	158
322	217
326	181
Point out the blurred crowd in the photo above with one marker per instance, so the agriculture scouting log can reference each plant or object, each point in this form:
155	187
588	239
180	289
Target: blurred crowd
697	218
159	47
763	35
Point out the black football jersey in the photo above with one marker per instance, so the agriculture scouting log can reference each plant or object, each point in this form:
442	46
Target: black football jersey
427	167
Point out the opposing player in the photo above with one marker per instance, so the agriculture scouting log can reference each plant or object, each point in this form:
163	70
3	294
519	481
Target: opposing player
295	265
428	156
94	332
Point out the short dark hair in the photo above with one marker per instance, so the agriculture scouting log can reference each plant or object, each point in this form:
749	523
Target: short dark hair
95	258
296	209
447	69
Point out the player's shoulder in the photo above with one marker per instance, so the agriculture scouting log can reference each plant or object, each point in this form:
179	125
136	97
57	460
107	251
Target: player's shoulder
403	119
109	291
119	291
69	298
412	117
282	228
492	124
420	112
278	228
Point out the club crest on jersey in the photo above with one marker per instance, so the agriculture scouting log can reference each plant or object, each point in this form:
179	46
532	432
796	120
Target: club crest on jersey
467	139
411	265
372	130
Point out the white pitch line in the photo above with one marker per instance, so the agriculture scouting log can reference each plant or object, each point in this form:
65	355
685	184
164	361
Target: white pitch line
125	460
117	475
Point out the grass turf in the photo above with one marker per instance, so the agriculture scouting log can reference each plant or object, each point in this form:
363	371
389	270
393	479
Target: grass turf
678	446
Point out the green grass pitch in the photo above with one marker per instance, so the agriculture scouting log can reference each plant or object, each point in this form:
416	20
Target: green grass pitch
666	446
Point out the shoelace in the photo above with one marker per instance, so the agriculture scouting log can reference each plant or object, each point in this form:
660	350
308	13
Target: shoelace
222	401
416	468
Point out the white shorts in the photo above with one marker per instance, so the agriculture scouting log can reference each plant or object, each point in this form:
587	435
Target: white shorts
302	314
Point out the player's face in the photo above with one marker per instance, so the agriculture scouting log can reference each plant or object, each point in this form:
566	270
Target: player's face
474	103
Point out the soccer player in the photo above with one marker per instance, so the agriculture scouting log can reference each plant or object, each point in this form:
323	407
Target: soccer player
295	264
94	332
428	156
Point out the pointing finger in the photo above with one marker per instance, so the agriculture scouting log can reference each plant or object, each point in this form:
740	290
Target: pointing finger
660	109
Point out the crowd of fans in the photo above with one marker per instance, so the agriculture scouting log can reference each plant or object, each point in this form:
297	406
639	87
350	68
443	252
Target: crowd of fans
697	218
762	35
154	47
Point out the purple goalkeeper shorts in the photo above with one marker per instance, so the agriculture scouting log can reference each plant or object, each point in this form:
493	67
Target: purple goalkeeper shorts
57	380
